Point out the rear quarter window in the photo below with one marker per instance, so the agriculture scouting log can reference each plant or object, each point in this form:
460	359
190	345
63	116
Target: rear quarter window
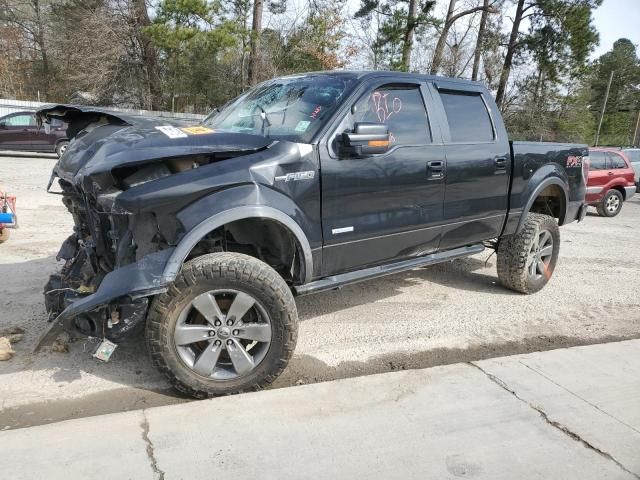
617	161
467	117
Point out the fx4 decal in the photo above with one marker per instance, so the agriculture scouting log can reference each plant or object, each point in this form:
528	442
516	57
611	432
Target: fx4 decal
574	161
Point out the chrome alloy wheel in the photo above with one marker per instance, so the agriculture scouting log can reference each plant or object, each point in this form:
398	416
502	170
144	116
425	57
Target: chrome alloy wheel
223	334
613	203
540	255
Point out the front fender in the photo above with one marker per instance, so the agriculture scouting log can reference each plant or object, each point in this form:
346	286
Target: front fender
191	238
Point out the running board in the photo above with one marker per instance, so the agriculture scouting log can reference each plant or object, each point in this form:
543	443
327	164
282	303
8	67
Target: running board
337	281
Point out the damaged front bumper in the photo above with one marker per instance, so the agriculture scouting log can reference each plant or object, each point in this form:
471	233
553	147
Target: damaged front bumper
119	304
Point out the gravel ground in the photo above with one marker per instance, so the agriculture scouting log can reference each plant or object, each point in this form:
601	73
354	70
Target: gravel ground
454	312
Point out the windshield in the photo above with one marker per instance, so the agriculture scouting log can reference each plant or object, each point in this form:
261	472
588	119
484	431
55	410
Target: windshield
292	108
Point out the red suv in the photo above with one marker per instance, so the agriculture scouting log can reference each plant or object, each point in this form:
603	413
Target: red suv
611	180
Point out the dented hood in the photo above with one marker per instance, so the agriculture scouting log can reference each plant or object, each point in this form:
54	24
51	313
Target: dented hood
102	139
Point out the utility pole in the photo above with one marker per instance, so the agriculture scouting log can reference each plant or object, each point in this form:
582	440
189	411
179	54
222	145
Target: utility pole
604	106
635	130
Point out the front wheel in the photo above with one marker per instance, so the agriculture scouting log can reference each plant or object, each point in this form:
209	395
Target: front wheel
527	259
228	324
61	148
611	204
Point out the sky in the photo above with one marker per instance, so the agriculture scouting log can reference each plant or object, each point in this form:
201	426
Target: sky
617	19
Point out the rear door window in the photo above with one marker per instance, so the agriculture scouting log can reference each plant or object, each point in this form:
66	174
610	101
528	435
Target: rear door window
617	161
467	116
597	161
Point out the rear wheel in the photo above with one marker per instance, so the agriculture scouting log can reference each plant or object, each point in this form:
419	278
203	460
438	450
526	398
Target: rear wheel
611	204
228	324
61	148
527	259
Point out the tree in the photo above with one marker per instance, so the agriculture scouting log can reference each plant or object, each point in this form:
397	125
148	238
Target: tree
560	35
28	18
148	54
90	48
624	97
477	54
451	18
398	27
193	35
256	29
409	31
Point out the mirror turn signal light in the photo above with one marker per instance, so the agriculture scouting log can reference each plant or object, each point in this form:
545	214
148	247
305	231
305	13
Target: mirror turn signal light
378	143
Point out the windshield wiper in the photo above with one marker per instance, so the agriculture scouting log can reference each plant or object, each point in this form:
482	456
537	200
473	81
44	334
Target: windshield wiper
264	117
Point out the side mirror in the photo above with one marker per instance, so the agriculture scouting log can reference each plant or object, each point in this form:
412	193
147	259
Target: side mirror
367	138
3	125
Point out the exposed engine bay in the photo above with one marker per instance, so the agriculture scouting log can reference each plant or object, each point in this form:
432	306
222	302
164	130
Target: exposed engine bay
133	193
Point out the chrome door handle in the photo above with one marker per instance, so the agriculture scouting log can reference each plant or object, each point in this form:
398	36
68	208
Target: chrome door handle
435	170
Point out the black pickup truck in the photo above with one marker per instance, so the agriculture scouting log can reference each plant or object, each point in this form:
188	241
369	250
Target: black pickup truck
204	234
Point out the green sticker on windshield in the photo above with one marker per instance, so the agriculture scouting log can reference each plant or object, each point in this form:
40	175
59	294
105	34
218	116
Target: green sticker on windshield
302	125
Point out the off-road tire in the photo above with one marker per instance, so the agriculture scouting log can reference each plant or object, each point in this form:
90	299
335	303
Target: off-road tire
513	252
602	206
61	147
219	271
4	235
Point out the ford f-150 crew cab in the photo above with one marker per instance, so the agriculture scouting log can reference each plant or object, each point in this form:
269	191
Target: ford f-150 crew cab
204	234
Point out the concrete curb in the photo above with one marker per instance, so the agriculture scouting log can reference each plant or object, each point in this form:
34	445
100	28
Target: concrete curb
570	413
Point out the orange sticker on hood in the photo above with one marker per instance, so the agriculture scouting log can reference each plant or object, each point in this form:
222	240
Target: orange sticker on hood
197	130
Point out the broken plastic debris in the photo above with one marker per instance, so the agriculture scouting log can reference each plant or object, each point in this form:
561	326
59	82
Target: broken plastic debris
105	350
6	352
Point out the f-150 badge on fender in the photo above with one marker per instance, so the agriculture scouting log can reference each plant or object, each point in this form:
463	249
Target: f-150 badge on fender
295	176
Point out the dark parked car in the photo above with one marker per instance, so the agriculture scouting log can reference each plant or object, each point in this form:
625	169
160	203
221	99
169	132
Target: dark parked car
203	235
20	131
634	157
611	180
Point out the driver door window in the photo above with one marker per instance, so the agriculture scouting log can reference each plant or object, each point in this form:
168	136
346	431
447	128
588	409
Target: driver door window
400	107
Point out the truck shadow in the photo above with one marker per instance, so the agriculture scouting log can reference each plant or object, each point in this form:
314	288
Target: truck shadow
461	274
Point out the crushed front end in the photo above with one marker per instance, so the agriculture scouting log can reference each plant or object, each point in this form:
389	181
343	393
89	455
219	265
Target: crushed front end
105	241
124	180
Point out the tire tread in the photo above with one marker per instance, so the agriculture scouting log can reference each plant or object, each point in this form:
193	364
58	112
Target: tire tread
513	252
214	266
